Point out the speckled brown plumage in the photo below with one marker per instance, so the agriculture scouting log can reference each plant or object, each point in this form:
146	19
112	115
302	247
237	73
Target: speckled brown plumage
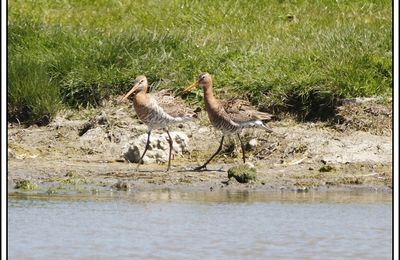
157	111
228	116
242	111
172	105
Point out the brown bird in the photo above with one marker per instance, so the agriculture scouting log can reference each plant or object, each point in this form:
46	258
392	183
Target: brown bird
228	116
158	111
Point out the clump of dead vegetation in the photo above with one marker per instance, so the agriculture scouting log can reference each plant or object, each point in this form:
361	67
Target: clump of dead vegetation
368	114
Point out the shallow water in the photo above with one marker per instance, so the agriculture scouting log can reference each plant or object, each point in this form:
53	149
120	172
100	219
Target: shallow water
210	225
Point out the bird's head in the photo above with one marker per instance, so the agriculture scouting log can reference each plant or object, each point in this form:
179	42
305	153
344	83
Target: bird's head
140	85
204	80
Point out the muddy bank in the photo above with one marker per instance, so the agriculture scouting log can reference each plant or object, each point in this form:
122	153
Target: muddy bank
83	152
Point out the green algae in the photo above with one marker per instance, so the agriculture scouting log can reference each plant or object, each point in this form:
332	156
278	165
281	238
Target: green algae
243	173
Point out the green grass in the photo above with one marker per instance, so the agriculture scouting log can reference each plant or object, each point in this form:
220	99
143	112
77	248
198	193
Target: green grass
32	96
296	56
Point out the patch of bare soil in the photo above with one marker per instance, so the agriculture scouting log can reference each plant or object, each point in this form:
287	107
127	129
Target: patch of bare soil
80	151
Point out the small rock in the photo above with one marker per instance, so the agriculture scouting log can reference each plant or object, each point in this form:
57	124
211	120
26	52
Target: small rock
158	150
242	173
232	181
131	154
203	130
124	186
94	139
327	168
252	143
250	165
101	119
86	127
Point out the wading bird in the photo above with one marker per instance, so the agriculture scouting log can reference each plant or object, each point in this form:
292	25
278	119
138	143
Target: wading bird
158	111
228	116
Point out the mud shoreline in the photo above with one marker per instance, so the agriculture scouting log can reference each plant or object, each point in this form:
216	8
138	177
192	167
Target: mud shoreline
353	154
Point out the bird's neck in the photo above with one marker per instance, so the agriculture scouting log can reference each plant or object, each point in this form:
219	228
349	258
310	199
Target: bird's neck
209	99
140	98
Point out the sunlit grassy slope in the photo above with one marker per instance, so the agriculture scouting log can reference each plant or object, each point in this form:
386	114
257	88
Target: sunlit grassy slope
297	56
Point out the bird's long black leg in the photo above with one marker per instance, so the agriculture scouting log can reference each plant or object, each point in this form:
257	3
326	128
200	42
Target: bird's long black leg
209	160
145	149
242	145
170	141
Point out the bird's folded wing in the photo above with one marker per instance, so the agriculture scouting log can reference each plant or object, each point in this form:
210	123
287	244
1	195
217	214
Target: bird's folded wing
171	105
242	111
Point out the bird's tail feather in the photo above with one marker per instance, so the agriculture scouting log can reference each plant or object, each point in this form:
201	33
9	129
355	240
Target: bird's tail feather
182	119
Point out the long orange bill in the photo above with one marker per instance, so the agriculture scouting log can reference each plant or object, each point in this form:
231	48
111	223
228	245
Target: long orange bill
129	93
194	84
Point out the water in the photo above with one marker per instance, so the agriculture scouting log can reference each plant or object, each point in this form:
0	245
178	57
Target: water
211	225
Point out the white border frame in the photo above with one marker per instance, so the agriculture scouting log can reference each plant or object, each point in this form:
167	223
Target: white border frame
3	130
395	128
395	133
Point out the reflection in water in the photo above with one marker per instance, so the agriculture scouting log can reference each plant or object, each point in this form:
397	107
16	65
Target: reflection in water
167	195
171	225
